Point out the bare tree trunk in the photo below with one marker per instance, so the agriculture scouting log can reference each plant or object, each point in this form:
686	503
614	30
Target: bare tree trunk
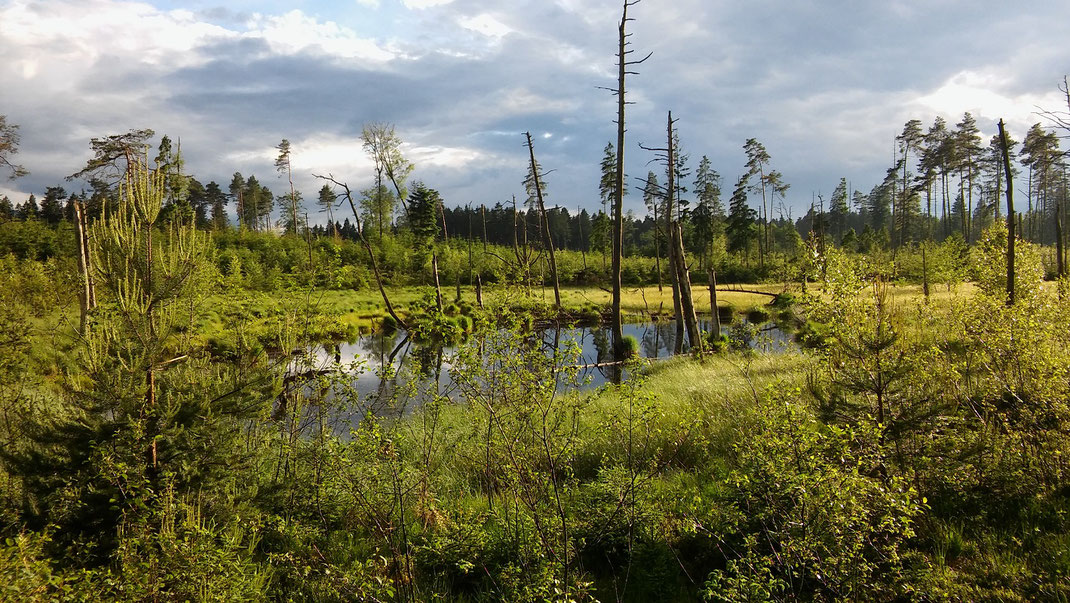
687	302
483	210
1010	215
657	246
438	288
83	263
715	315
623	63
479	291
308	239
670	234
677	304
545	222
616	324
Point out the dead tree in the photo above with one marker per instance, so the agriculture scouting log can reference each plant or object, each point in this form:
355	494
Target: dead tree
367	247
687	302
547	238
715	315
681	294
1010	214
623	64
85	264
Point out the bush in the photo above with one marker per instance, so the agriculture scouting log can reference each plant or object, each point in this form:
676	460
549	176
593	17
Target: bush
757	315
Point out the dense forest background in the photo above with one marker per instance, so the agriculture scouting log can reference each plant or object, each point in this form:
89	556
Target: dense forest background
947	184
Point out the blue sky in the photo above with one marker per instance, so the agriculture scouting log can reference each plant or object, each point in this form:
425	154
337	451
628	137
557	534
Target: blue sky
825	86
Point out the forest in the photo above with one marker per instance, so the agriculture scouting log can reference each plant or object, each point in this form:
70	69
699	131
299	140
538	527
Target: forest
220	392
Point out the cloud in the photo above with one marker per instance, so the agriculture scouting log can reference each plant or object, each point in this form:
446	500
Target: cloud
296	32
486	25
423	4
825	86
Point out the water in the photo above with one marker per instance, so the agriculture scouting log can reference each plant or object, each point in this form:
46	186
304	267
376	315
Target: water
385	360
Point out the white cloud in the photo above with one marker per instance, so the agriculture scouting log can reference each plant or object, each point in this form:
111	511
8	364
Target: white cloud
54	43
487	25
422	4
981	93
296	32
443	156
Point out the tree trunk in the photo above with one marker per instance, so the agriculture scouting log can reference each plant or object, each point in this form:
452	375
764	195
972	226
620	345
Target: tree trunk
483	210
83	263
1010	215
438	288
715	315
616	324
677	304
687	302
547	238
657	247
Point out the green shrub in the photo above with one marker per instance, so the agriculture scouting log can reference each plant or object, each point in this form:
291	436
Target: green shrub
757	315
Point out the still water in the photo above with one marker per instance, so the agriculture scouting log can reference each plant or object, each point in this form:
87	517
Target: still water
382	361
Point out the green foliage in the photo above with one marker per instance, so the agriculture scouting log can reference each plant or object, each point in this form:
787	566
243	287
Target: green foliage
810	512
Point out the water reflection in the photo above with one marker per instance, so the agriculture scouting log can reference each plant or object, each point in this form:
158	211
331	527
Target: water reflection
399	373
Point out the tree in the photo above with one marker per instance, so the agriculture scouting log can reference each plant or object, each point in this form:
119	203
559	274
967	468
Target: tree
29	209
384	147
967	145
652	198
1040	153
9	145
910	139
770	184
616	325
237	194
423	210
113	156
377	204
282	164
147	415
536	181
169	162
607	184
680	172
708	188
292	202
1010	213
742	228
216	203
326	201
256	203
52	206
838	209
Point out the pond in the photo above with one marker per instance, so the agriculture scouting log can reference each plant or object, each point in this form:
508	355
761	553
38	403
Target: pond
387	359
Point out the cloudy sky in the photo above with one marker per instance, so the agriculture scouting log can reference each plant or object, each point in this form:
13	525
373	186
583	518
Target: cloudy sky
824	85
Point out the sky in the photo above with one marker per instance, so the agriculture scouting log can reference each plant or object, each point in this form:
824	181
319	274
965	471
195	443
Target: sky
825	86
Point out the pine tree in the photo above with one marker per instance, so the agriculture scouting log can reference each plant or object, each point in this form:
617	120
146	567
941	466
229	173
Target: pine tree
742	227
148	414
838	209
216	201
967	145
52	206
326	200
